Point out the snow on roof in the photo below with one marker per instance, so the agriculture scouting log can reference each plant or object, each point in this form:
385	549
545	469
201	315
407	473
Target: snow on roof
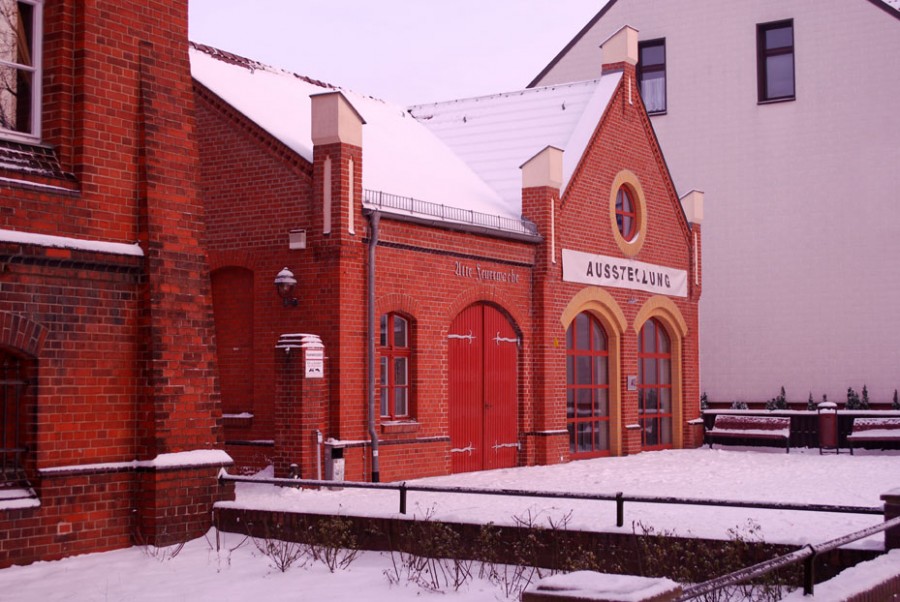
495	135
402	157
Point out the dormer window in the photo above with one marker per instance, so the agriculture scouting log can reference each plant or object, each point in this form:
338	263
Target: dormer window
20	69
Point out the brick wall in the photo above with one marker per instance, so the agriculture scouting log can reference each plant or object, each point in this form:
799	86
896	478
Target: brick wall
256	190
118	338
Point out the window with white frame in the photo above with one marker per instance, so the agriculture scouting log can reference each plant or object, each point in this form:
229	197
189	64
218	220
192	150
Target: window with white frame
20	69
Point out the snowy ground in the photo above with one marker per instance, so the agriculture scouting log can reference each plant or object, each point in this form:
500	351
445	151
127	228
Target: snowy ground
199	572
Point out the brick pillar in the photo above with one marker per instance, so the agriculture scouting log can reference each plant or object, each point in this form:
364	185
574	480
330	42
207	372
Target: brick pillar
541	181
892	510
692	203
337	279
179	414
301	399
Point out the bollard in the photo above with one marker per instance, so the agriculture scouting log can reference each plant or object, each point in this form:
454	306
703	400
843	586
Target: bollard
891	501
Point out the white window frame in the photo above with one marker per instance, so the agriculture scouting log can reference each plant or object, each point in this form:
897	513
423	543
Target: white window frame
36	69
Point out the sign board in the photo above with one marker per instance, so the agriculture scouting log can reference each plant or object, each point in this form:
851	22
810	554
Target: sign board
314	360
617	272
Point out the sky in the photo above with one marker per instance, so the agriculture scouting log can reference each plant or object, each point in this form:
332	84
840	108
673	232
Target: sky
404	51
238	571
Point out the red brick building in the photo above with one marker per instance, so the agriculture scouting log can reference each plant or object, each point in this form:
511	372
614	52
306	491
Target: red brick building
485	283
109	395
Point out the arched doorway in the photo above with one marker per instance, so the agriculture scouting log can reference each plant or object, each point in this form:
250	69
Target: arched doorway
587	387
483	356
655	386
232	296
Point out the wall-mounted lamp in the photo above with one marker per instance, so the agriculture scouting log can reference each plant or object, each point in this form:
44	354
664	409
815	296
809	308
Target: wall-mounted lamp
284	284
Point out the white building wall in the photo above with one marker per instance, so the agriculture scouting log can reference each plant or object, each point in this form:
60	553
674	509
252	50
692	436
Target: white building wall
802	227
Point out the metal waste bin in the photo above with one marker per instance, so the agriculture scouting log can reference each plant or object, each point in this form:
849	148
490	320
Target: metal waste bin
828	427
334	462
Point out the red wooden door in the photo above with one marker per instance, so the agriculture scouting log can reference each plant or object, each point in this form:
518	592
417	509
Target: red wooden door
483	401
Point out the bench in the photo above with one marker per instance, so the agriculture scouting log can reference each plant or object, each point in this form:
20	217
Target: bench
766	428
874	430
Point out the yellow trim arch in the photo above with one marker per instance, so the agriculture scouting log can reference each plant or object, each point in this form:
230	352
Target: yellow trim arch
602	306
664	310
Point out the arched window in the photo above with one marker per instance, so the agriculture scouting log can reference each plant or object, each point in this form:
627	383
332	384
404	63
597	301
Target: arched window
655	386
626	214
395	360
587	387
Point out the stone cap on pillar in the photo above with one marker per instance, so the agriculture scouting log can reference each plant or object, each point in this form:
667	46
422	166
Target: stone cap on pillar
692	203
590	586
299	341
335	120
543	169
621	47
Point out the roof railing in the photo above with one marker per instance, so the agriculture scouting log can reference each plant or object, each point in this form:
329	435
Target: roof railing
427	211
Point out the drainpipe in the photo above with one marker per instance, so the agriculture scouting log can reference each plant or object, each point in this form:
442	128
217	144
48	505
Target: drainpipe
374	218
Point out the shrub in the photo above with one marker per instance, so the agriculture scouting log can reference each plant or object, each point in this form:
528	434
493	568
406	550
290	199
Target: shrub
864	402
777	403
704	401
810	404
896	404
739	405
853	402
334	543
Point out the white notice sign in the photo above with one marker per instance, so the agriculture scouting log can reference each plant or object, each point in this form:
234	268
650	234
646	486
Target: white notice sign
314	363
617	272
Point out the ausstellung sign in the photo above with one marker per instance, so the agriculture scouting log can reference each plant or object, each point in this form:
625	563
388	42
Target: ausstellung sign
617	272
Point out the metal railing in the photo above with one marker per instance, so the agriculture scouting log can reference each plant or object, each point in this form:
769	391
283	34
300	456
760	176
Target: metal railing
416	207
619	497
807	555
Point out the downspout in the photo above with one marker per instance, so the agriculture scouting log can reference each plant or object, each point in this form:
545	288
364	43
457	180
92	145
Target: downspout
374	218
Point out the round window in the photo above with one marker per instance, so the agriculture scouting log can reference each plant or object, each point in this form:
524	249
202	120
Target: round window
626	214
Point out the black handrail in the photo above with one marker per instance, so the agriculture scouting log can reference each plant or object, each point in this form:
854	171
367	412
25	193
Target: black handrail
619	497
806	554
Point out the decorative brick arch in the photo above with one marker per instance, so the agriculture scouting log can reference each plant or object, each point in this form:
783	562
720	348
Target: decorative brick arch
481	294
227	259
21	334
397	303
604	307
664	310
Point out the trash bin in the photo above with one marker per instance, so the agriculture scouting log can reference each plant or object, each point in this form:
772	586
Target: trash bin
828	427
334	463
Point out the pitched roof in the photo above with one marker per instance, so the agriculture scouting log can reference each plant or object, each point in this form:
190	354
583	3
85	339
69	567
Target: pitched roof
402	157
496	134
887	5
464	154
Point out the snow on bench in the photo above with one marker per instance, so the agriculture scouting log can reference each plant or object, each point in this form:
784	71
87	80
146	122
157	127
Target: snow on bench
872	430
772	428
